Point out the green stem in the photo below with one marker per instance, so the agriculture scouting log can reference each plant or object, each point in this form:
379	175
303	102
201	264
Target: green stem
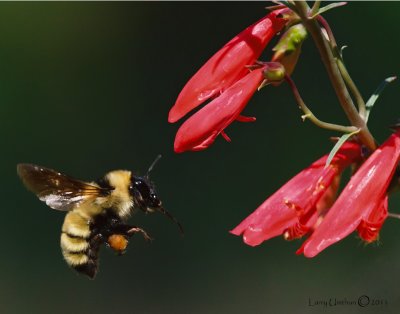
362	111
315	7
397	216
343	70
335	76
309	115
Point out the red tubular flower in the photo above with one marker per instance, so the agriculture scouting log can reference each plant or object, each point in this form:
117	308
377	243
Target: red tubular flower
368	230
201	129
362	205
295	208
228	65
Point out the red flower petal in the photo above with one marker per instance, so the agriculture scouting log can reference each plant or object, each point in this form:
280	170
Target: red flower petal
228	65
201	129
358	200
368	230
285	210
313	218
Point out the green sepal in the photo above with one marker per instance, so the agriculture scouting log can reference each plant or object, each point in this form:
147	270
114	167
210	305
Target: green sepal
339	144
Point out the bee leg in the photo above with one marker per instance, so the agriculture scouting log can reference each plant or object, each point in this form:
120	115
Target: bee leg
117	227
134	230
96	241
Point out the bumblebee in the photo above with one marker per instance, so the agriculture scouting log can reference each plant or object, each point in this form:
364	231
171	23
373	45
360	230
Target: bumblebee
96	211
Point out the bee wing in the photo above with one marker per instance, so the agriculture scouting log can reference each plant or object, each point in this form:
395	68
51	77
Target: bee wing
57	190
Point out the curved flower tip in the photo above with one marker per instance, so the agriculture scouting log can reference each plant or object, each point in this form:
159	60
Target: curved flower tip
201	129
294	209
227	65
362	205
368	230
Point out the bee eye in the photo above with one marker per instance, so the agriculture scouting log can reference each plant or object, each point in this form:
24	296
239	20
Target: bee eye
154	200
137	184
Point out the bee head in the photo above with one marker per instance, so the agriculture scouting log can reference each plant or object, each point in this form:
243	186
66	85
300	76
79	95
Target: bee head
144	194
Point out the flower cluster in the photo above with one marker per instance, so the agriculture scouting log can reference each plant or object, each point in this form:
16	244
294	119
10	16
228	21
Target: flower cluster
226	77
308	204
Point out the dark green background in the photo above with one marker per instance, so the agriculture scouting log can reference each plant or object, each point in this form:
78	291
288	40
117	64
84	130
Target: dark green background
86	88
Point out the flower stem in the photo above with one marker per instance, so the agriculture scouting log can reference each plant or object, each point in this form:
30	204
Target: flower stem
309	115
315	7
335	76
342	68
397	216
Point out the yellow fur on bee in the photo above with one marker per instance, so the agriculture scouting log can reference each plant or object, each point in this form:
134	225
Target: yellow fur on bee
74	259
90	210
121	199
73	244
76	225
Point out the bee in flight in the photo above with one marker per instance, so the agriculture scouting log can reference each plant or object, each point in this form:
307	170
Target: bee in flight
96	211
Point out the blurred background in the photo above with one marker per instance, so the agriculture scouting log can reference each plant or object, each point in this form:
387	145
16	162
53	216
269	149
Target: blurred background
86	88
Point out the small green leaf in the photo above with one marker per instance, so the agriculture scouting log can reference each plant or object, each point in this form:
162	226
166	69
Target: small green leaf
339	144
329	7
371	101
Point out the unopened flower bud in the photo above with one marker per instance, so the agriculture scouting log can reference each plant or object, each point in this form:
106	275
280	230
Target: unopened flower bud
274	72
288	49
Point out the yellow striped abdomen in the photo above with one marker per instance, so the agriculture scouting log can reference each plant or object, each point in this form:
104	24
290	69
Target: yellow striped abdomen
76	244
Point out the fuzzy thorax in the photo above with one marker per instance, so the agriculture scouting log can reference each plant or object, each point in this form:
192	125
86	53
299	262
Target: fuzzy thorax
120	200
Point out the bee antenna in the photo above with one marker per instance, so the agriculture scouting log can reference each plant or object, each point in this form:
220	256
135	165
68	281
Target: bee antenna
168	214
152	165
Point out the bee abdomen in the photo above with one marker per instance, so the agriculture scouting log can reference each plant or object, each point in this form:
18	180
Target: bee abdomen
79	254
75	259
77	245
73	244
76	226
89	268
